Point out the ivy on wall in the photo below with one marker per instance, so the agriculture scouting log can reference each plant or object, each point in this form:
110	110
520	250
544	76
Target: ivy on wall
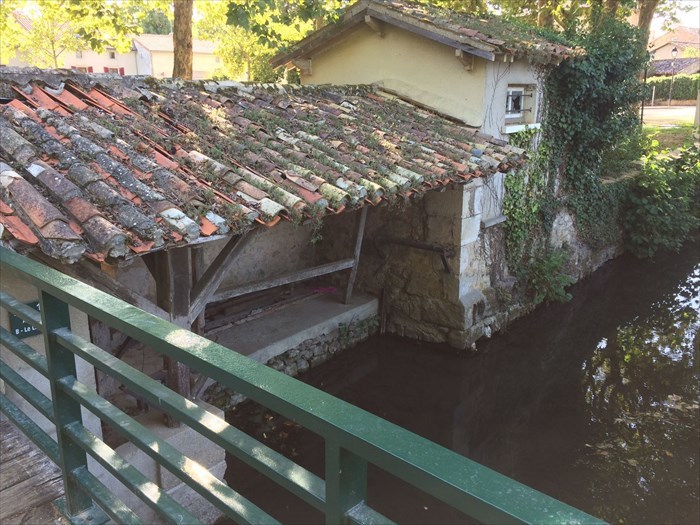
590	131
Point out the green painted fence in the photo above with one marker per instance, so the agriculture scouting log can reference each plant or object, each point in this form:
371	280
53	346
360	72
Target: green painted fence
353	437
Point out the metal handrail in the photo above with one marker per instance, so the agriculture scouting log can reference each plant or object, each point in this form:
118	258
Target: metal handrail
353	437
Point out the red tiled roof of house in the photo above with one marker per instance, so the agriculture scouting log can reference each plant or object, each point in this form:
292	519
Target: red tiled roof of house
121	168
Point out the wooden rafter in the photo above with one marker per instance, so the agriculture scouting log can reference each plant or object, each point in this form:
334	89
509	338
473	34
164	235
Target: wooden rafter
375	25
359	235
205	288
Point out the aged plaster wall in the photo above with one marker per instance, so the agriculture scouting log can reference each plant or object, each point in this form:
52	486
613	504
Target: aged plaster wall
412	66
499	75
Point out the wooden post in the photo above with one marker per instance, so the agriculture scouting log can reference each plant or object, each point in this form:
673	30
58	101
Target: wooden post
356	255
172	270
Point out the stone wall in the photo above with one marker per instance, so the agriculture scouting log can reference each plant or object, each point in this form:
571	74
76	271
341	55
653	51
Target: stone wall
421	297
308	354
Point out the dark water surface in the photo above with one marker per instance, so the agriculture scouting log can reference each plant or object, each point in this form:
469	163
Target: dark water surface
594	402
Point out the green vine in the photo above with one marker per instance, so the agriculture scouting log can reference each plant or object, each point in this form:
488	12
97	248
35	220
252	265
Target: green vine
588	141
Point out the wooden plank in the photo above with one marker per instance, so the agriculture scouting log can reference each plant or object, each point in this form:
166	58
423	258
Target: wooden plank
28	479
288	278
356	255
210	281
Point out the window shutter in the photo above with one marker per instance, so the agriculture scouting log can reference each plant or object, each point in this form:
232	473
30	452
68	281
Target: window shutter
121	71
106	70
89	69
73	68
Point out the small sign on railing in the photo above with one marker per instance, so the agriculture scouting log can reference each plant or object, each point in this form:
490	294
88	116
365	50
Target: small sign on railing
20	328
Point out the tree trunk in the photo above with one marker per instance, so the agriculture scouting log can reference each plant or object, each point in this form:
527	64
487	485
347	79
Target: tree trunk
544	14
182	39
611	6
646	9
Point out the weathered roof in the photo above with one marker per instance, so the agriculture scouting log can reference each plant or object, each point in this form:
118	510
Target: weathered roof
124	167
680	35
164	43
687	66
484	36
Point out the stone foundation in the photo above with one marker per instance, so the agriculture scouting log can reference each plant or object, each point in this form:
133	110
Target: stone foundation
302	357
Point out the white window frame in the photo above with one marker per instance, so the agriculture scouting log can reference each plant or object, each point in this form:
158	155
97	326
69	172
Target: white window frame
510	114
78	54
112	54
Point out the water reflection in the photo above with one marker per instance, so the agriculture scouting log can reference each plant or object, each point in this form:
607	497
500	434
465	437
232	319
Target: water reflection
641	389
594	402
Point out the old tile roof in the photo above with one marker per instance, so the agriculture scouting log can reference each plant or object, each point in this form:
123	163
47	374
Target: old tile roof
688	66
106	168
487	36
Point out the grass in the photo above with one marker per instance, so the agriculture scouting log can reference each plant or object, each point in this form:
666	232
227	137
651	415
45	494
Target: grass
671	137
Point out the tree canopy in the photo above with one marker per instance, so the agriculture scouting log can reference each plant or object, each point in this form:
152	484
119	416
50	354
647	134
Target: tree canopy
42	31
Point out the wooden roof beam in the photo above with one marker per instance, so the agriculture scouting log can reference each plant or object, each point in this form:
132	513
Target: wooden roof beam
466	59
375	25
304	64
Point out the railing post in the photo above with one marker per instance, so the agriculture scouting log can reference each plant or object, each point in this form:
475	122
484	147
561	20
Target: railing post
346	482
61	363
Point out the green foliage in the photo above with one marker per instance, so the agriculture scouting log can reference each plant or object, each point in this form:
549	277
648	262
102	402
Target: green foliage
663	206
685	87
545	278
267	20
51	29
245	54
591	116
156	22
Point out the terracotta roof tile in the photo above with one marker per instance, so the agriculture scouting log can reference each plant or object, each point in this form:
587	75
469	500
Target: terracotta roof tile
184	163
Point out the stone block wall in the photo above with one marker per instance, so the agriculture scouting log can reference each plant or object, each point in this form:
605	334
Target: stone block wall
421	298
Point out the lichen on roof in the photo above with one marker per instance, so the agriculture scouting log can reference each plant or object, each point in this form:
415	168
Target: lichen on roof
111	168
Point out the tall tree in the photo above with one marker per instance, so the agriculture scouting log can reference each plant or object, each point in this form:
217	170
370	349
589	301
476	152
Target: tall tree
182	39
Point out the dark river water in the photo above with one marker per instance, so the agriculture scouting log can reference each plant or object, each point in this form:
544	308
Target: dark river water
593	402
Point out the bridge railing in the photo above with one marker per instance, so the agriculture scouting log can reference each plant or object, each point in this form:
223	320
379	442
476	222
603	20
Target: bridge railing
353	438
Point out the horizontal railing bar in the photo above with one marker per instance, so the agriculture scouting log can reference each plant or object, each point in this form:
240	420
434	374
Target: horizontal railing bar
464	484
30	429
362	514
144	488
21	310
25	352
299	481
192	473
28	391
105	499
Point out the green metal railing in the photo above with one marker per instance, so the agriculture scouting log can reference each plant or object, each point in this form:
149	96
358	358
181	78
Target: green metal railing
353	437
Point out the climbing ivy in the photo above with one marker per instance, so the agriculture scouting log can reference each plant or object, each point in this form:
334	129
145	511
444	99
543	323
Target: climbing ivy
589	136
592	105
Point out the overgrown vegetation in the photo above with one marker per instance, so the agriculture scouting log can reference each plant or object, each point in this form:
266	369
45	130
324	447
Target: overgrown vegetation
590	132
670	138
663	204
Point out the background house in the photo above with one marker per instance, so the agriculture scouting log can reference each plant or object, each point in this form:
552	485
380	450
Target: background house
154	55
479	71
149	54
686	40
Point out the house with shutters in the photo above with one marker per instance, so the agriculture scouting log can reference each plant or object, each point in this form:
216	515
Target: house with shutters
481	71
